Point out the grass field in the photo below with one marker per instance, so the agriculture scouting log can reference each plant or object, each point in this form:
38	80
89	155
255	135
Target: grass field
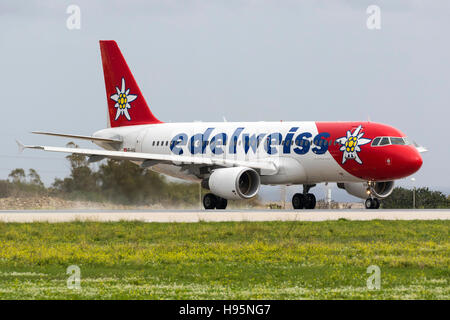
249	260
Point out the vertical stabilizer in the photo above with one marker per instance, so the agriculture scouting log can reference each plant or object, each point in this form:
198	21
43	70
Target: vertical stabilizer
126	104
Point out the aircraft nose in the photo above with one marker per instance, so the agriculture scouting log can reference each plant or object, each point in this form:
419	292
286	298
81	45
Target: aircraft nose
416	161
412	161
403	162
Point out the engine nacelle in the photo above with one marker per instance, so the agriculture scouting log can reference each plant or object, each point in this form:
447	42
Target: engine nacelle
234	183
363	190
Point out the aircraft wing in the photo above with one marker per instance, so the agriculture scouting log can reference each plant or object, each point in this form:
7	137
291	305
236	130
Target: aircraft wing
266	167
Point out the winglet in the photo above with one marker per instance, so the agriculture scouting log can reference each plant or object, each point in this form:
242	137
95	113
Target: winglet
23	146
419	148
20	145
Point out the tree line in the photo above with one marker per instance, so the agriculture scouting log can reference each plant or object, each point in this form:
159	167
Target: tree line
402	198
119	182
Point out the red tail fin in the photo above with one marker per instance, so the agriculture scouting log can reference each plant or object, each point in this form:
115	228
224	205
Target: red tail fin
126	104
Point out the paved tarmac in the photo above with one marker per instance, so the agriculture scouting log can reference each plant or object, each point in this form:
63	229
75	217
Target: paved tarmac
218	215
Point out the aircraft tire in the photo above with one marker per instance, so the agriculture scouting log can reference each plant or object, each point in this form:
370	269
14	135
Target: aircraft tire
372	203
209	201
221	203
310	201
376	203
369	203
298	201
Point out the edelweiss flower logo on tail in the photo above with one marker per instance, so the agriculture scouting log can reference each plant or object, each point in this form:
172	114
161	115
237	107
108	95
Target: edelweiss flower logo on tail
123	99
350	145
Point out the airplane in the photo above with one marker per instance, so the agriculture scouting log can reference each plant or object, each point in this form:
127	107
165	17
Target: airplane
233	159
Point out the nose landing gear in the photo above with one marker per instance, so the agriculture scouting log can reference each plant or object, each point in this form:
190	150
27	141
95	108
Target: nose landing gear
372	203
304	200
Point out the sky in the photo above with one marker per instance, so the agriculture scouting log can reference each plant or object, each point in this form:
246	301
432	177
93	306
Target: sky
244	60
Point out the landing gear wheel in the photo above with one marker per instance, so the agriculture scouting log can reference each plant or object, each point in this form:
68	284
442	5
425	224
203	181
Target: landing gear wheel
298	201
368	203
372	203
376	203
310	201
221	203
209	201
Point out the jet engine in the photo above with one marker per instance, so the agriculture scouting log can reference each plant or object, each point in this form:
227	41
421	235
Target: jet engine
234	183
364	190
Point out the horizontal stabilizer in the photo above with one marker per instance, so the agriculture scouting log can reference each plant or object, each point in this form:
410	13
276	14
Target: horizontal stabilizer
76	136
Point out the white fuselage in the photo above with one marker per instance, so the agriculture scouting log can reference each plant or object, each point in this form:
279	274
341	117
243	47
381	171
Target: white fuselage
255	141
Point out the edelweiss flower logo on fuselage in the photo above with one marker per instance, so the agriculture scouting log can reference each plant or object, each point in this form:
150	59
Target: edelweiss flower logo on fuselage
350	145
123	99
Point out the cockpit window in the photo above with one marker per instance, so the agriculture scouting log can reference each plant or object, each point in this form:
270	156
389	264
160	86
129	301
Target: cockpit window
384	141
398	141
406	140
376	141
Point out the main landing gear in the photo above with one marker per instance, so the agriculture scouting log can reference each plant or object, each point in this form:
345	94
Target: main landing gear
304	200
211	201
372	203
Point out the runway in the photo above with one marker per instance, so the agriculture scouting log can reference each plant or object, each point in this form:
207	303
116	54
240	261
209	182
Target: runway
218	216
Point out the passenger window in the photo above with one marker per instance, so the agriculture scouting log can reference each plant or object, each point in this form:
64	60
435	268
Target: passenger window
384	141
153	144
157	143
167	143
376	141
398	141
